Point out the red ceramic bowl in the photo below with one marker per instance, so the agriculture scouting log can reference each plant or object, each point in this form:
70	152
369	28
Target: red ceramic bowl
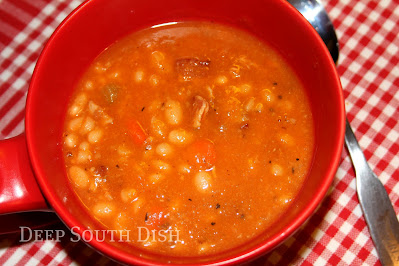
94	26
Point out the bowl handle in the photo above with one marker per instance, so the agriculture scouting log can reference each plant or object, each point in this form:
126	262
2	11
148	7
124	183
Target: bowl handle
19	191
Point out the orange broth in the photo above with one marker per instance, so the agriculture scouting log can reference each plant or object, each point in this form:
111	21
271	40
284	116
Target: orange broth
194	128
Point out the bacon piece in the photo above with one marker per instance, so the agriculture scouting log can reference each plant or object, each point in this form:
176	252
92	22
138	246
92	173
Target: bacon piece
201	108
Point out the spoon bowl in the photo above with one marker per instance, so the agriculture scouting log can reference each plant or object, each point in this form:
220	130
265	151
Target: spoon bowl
315	13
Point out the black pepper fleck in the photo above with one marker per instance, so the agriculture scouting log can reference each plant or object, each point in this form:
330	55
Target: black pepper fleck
217	206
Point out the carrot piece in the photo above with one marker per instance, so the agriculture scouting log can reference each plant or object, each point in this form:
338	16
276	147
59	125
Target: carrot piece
137	132
155	219
203	153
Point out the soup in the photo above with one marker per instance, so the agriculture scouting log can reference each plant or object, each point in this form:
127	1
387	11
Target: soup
191	137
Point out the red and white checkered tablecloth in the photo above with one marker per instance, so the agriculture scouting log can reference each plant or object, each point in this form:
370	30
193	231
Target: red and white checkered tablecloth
368	33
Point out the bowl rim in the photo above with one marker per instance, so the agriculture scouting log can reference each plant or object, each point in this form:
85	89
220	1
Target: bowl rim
115	253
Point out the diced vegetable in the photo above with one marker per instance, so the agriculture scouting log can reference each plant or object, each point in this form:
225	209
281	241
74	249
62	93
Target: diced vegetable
155	219
137	132
202	152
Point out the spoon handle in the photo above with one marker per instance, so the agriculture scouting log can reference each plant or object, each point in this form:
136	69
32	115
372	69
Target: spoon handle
377	208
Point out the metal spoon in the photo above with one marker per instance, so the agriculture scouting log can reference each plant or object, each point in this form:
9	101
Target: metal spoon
376	205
